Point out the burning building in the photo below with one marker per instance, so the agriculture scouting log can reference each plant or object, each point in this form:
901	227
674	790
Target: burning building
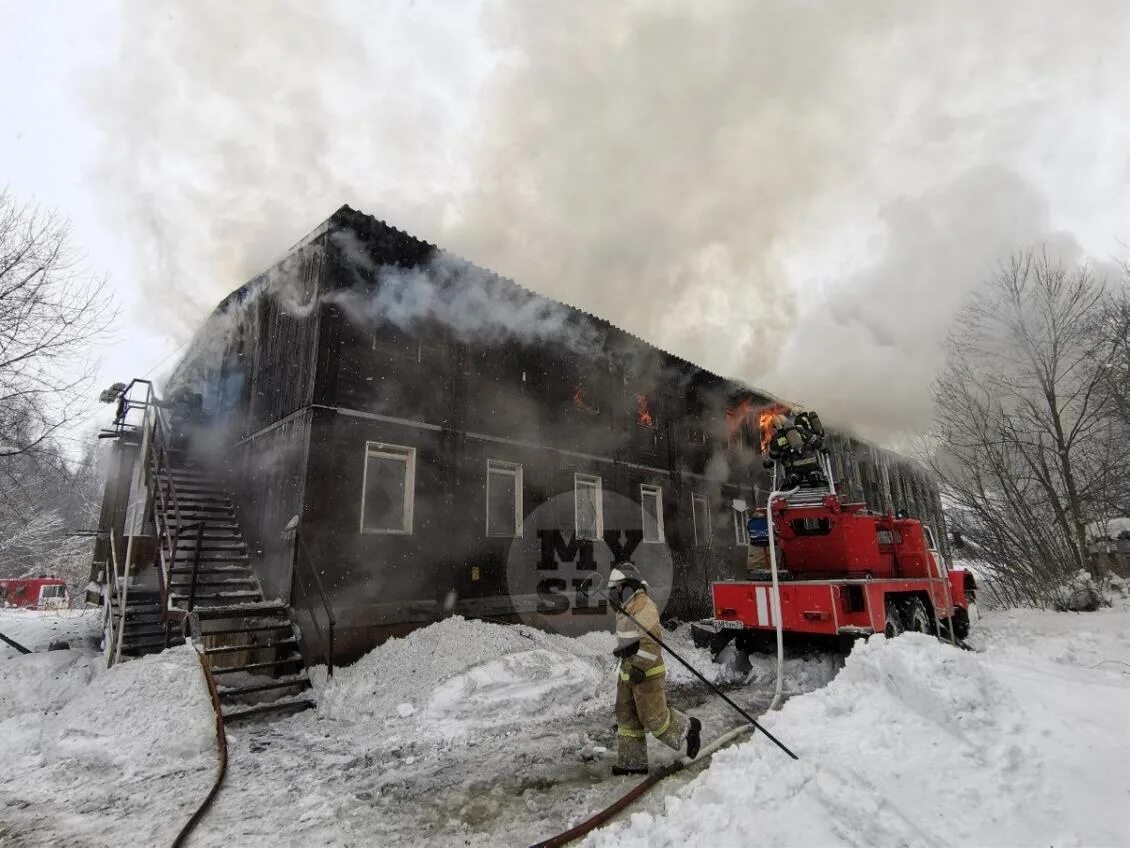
391	416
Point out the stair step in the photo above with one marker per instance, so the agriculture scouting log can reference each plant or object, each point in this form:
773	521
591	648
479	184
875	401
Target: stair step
211	567
248	628
262	608
211	518
137	616
287	682
228	540
148	608
188	523
290	660
289	641
210	559
235	596
193	506
144	628
129	644
184	581
274	707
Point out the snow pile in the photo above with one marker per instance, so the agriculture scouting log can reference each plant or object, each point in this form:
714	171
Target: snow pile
131	749
916	743
36	629
44	682
1100	639
1079	593
458	675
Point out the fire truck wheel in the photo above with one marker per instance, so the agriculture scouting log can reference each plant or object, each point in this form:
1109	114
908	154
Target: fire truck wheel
960	622
894	620
917	618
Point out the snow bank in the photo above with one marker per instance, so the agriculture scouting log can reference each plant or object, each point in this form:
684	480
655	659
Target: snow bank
36	629
916	743
456	676
104	756
44	682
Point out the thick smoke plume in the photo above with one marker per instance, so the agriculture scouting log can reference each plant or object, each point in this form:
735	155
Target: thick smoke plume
795	194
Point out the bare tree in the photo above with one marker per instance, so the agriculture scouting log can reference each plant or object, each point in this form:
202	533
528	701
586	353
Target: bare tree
1030	443
51	313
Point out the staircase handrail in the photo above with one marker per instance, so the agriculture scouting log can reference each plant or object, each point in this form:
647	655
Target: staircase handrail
113	591
170	501
302	557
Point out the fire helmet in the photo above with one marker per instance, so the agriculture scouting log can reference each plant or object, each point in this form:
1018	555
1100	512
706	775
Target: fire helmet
626	574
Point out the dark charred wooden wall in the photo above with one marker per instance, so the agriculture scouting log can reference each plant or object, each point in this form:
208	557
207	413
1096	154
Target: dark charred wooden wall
306	366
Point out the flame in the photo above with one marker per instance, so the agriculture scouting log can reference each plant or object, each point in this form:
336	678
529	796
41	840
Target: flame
579	397
643	411
765	423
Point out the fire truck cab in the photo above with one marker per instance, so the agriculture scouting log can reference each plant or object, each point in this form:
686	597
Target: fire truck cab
843	572
34	592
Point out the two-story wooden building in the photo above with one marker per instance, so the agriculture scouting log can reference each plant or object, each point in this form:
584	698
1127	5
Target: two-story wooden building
404	412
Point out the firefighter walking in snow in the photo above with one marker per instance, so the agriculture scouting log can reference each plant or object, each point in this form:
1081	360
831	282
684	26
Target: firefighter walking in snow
641	693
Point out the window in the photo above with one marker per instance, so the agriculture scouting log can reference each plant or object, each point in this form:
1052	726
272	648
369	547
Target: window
700	511
644	415
588	506
931	545
388	488
811	526
585	399
504	498
46	592
651	505
741	527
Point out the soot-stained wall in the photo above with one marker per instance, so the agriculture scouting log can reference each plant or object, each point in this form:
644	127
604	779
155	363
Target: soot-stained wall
366	353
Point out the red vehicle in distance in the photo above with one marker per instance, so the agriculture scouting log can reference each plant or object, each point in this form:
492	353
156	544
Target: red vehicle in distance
34	592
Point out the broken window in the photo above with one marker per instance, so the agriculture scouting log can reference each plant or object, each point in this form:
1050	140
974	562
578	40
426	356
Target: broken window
700	512
388	488
651	505
588	506
585	399
504	498
644	415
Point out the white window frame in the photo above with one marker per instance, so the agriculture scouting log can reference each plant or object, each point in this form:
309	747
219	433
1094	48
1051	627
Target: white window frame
698	538
509	469
741	530
595	482
407	455
648	490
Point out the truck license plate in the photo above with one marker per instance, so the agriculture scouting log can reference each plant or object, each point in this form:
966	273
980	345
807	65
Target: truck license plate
729	625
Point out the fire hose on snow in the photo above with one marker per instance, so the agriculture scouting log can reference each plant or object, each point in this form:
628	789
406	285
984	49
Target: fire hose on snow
595	588
621	803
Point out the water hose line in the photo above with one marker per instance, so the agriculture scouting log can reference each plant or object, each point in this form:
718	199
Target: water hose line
222	749
775	601
617	806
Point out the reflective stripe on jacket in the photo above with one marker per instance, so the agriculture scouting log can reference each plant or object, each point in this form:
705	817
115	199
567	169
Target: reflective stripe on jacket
649	657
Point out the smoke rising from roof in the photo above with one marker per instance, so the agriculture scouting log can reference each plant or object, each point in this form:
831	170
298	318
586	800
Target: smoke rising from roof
790	193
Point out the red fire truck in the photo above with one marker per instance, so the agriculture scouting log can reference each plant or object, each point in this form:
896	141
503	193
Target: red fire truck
33	592
841	572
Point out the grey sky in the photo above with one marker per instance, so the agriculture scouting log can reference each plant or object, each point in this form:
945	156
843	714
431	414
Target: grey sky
793	193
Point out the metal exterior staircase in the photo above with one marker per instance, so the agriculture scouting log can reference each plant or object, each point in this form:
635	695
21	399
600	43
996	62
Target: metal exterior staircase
205	588
250	641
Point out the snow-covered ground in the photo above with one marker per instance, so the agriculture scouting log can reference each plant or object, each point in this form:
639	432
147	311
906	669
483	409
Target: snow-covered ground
477	734
94	756
1025	742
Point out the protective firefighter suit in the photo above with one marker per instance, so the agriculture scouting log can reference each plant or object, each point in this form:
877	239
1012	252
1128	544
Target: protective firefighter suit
796	445
641	693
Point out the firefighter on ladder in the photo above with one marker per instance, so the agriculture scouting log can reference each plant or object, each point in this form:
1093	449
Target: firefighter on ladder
641	693
796	445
